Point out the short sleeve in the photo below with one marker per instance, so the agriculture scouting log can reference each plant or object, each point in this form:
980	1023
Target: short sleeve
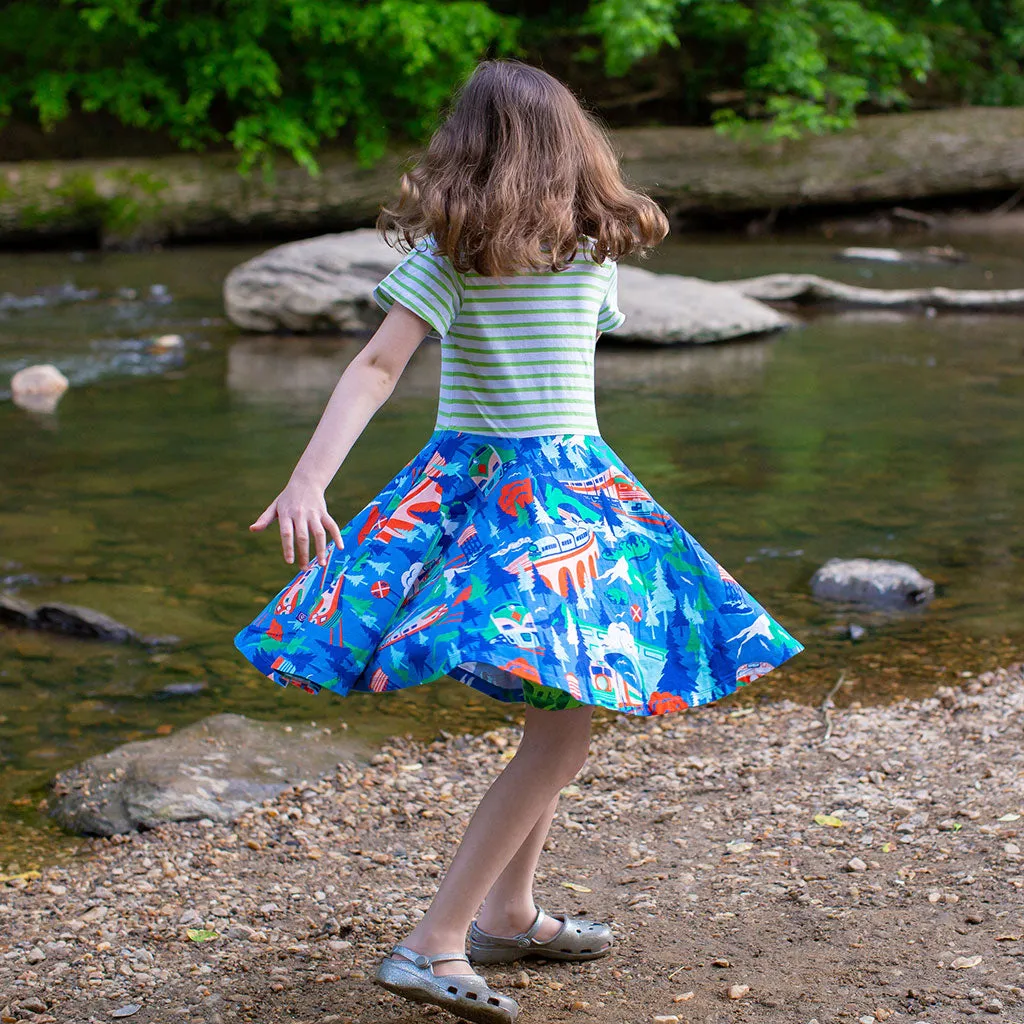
610	316
426	284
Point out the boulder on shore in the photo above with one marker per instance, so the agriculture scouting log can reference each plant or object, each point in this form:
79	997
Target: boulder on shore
216	769
874	581
326	284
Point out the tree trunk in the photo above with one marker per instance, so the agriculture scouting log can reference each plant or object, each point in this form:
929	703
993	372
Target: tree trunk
690	170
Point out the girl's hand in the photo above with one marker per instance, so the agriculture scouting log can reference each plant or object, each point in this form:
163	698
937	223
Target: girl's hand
301	512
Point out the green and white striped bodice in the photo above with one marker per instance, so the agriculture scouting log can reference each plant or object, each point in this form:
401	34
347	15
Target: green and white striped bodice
517	353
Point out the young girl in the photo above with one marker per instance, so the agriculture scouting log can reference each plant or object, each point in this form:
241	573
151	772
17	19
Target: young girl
515	553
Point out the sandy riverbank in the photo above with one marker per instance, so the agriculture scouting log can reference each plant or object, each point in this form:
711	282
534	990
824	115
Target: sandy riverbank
695	835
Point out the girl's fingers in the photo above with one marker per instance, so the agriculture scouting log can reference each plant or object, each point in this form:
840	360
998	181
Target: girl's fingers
287	540
266	518
333	529
319	540
301	542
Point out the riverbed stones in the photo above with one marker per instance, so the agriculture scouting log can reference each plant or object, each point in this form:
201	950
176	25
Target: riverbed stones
214	769
873	581
38	388
326	284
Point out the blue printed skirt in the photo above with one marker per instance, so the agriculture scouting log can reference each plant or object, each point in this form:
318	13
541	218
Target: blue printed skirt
519	566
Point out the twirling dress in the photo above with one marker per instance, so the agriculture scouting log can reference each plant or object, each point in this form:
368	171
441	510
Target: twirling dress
516	552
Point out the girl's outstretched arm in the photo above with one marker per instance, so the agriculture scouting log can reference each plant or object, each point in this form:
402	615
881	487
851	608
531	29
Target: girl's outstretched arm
366	384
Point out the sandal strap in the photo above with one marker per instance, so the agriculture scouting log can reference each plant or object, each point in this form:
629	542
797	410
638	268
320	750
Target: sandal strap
422	960
526	938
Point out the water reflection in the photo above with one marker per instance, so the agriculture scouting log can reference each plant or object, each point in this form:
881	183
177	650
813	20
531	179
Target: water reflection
279	368
730	369
276	368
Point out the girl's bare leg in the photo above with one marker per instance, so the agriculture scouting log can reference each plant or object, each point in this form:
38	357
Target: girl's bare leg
509	907
554	748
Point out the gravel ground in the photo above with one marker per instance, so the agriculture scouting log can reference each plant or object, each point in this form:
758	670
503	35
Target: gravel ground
695	835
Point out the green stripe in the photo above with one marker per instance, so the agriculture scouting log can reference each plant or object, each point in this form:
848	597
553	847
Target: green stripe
430	284
509	364
533	400
531	302
448	391
504	381
554	351
531	324
543	287
530	415
568	339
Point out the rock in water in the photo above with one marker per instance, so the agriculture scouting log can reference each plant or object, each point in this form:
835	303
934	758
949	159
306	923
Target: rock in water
84	622
213	769
15	612
319	284
874	581
326	283
38	388
666	309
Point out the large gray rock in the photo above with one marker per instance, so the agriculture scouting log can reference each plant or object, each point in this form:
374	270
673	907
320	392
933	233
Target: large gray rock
874	581
326	283
213	769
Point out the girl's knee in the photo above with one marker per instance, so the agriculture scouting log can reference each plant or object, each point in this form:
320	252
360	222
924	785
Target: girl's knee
557	741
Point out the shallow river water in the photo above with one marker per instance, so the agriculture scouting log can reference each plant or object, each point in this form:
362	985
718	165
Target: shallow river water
858	434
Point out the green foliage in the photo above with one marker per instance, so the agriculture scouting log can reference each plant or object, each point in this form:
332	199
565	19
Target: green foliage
266	75
807	65
272	76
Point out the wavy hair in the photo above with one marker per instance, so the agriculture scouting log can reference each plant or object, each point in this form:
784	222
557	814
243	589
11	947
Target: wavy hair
516	178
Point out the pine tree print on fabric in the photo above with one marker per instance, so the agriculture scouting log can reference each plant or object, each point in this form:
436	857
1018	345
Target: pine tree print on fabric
519	563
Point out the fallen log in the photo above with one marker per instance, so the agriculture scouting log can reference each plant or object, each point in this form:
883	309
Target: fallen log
691	171
807	289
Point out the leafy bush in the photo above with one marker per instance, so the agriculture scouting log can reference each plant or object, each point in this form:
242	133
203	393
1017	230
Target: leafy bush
266	75
799	65
288	75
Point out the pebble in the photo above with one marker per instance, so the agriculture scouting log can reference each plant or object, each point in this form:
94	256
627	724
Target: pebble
856	864
737	991
665	1018
33	1005
683	997
963	963
36	955
522	980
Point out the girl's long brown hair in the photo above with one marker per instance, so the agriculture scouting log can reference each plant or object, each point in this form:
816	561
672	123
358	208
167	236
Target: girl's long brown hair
514	179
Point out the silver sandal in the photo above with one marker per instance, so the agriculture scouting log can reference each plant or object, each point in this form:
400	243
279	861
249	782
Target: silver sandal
466	995
576	940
